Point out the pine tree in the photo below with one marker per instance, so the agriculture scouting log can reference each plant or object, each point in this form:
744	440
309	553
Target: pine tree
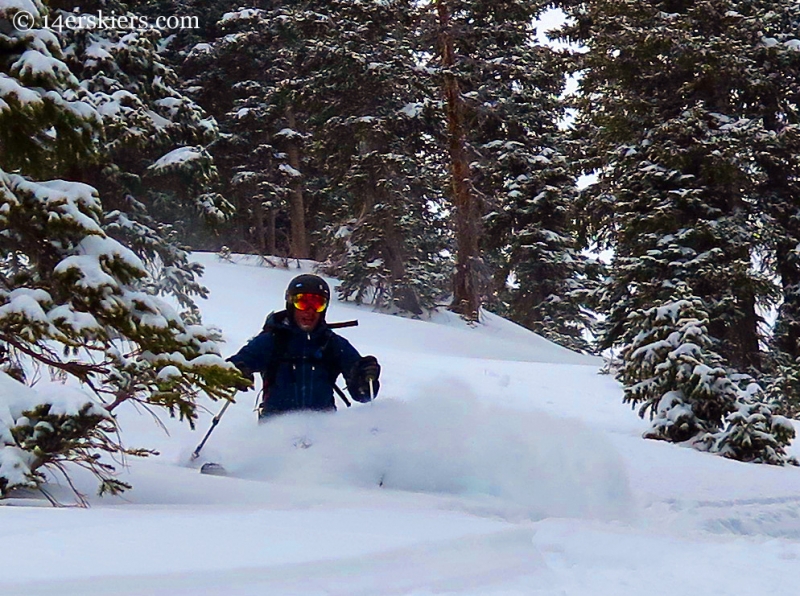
512	86
363	84
37	433
45	123
503	91
384	237
327	116
775	101
73	299
155	167
247	76
676	188
156	135
667	118
537	245
671	371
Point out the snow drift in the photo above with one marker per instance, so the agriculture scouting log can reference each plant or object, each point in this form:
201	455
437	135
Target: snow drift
509	463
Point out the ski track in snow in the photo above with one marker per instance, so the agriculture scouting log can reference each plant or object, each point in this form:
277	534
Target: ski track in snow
509	466
775	517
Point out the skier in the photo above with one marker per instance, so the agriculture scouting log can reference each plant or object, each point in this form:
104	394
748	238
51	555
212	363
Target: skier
300	357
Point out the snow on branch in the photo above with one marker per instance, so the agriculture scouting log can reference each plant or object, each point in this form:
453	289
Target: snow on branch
177	158
39	430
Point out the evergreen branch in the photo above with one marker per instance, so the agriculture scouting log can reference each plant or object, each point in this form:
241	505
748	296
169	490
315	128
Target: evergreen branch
77	369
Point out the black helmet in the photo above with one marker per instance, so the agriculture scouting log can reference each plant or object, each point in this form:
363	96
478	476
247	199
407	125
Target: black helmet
306	283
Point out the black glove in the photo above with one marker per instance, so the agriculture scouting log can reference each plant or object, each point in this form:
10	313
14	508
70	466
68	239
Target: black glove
248	380
367	369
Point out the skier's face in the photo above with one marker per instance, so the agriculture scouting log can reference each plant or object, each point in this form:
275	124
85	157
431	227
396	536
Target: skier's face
307	320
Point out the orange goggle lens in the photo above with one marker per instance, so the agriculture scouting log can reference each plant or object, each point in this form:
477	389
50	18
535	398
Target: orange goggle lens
313	302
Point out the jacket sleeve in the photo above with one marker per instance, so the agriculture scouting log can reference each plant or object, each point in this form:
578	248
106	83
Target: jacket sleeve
254	357
348	359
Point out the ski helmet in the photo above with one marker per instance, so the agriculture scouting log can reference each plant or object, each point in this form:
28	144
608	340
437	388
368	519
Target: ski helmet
307	283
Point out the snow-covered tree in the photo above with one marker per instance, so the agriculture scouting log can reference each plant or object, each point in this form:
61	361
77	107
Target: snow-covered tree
386	234
661	118
73	299
542	279
247	75
673	117
782	384
47	432
46	123
530	268
154	167
775	101
322	130
156	136
671	371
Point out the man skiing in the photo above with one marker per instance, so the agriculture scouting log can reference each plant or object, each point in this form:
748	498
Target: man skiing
300	357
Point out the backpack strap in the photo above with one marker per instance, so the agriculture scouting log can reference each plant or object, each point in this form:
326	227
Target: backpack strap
279	345
281	340
329	357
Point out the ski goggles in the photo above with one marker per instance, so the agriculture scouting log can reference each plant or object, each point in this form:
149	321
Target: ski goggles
313	302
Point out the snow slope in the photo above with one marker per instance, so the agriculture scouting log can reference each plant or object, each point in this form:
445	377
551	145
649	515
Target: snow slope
508	466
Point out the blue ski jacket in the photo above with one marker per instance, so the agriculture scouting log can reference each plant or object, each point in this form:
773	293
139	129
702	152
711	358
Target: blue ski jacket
304	373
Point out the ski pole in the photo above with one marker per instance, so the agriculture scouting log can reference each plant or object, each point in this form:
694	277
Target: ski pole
374	430
214	423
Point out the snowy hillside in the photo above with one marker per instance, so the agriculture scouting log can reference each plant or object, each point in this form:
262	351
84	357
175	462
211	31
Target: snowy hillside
508	466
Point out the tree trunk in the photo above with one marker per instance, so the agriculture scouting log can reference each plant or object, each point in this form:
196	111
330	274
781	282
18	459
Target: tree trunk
258	210
404	296
392	246
782	208
787	326
272	245
466	299
298	244
746	333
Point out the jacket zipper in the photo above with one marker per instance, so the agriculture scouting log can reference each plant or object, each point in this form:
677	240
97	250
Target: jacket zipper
306	383
310	374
